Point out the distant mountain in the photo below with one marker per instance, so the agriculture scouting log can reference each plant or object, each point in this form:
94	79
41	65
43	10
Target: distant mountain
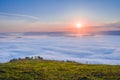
68	33
45	33
111	32
117	32
114	32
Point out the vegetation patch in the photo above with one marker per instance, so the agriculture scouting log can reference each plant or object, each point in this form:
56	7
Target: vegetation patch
36	68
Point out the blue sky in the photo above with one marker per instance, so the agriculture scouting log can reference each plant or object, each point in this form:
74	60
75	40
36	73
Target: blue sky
54	14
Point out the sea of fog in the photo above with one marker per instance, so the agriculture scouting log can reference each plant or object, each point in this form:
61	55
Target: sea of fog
93	49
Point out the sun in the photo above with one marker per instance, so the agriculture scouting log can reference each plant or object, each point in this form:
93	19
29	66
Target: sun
78	25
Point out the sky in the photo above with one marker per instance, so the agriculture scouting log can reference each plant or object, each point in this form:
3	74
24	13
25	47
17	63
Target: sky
58	15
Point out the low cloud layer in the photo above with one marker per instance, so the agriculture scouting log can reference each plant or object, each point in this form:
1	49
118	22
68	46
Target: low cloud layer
99	50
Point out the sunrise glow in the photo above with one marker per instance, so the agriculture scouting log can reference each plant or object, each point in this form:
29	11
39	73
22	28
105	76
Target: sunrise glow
78	25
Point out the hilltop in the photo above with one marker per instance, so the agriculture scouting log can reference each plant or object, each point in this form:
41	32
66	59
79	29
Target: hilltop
40	69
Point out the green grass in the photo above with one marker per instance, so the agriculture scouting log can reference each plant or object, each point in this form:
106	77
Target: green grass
57	70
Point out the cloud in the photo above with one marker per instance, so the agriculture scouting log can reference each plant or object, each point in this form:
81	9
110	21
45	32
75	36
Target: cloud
10	22
99	50
18	15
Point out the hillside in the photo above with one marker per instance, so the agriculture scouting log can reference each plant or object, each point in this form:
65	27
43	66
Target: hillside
34	69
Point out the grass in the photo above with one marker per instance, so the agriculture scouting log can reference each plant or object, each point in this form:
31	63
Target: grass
57	70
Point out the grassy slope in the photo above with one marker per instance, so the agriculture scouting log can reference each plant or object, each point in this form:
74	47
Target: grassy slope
56	70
